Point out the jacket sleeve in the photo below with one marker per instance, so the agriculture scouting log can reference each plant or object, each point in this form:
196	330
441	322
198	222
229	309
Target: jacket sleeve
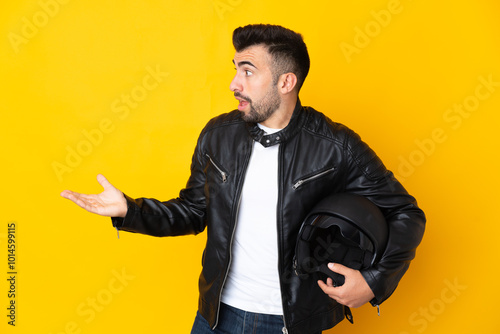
367	176
183	215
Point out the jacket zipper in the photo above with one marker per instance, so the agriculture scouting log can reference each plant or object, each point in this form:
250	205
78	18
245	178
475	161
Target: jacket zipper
284	330
222	173
232	233
295	186
310	178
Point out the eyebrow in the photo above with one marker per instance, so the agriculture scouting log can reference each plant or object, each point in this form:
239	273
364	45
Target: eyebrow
244	62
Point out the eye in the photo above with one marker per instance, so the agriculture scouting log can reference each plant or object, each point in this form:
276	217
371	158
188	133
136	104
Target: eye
248	73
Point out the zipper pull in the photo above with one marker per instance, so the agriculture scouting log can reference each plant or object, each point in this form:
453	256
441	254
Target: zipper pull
222	173
297	184
117	232
378	310
348	314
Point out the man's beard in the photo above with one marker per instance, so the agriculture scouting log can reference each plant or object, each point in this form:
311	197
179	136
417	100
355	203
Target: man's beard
262	110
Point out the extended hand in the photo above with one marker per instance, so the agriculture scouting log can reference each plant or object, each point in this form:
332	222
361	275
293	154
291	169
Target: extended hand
110	202
353	293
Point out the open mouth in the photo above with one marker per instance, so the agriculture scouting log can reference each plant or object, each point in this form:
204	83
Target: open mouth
242	105
244	102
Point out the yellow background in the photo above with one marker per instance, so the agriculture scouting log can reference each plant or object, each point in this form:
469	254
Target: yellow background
66	66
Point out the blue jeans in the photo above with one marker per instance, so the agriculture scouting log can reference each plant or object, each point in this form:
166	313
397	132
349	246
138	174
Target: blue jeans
236	321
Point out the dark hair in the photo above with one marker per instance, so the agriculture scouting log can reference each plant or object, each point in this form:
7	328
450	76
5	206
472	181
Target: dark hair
286	47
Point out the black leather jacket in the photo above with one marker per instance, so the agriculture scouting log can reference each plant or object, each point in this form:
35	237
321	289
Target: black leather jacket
317	157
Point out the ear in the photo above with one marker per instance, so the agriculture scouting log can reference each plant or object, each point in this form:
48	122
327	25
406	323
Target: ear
287	83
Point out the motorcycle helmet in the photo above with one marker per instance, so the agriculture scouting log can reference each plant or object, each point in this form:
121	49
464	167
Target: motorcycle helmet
342	228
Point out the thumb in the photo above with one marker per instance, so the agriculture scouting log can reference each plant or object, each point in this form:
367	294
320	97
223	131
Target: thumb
338	268
104	182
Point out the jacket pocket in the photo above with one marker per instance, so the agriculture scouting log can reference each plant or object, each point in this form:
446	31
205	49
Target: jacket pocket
308	178
219	170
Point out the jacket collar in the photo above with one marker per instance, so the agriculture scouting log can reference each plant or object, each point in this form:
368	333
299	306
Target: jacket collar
284	135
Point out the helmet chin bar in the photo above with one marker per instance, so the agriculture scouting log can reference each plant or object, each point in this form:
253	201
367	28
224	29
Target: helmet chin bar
319	246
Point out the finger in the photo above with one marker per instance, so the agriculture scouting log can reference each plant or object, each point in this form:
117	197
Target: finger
103	181
323	286
329	281
338	268
71	195
328	290
88	202
66	194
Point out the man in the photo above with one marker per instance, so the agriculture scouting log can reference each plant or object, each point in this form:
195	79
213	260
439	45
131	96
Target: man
255	174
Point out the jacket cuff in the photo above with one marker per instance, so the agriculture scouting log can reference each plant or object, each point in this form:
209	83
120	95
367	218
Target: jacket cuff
120	221
382	284
376	286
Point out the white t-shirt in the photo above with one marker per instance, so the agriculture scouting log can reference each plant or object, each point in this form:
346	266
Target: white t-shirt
253	281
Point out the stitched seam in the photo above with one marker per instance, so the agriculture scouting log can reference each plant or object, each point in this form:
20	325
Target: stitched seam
359	164
332	139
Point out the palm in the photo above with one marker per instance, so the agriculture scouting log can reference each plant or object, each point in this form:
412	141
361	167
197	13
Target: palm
110	202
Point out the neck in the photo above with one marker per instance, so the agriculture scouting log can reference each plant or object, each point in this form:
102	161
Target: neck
281	117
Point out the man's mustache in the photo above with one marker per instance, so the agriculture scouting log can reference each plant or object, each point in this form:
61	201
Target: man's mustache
241	96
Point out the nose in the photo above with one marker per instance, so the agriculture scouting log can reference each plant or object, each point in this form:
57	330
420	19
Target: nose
235	85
